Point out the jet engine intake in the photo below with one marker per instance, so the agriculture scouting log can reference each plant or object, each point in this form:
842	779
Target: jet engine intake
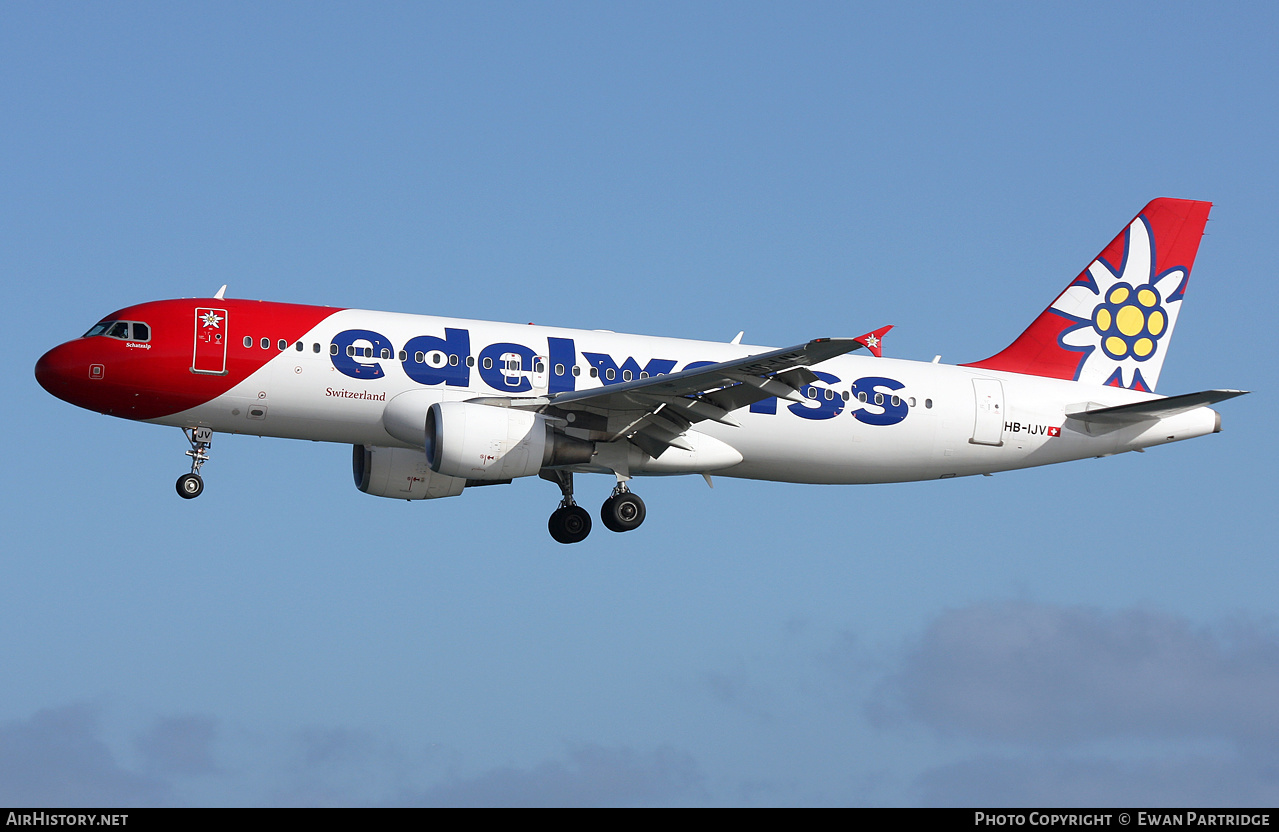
479	442
400	473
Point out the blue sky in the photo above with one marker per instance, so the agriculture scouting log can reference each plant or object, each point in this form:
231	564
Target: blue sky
1100	632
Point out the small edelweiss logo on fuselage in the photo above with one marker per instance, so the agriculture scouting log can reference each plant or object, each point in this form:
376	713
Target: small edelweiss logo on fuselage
210	319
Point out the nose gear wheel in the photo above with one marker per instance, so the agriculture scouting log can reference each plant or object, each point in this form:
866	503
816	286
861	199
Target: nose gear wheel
191	485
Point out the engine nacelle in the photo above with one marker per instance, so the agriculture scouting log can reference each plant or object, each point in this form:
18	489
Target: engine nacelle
482	442
400	473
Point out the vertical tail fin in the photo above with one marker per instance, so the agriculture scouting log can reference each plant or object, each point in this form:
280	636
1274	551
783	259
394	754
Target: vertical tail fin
1113	323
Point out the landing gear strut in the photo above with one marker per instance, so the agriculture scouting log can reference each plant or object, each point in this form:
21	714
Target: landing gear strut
191	485
623	511
570	523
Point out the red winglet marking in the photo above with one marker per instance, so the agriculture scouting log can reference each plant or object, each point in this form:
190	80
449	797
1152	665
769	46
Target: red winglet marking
874	341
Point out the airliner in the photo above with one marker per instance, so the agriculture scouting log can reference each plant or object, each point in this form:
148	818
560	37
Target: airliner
433	406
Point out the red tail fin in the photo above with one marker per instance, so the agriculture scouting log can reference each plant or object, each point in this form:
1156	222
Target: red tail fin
1113	323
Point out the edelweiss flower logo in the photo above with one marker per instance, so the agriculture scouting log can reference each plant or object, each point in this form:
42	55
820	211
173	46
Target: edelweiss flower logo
1122	316
210	319
1129	322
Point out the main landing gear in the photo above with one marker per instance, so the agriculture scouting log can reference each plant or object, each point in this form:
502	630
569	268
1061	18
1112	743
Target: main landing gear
623	511
191	485
570	523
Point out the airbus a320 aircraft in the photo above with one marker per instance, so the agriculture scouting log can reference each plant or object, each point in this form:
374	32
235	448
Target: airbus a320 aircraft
435	405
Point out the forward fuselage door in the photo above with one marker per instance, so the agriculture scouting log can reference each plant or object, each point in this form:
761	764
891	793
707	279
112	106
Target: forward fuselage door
512	364
540	375
209	355
988	426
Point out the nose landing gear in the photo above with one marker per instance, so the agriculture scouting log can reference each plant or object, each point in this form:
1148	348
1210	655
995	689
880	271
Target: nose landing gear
191	485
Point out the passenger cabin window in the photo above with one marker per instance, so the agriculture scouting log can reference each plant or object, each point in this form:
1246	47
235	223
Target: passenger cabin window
248	341
266	343
333	349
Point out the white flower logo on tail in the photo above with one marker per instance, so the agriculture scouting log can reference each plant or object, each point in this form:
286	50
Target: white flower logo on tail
1123	318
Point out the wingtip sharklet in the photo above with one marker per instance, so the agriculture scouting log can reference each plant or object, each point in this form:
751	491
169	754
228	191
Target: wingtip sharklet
874	340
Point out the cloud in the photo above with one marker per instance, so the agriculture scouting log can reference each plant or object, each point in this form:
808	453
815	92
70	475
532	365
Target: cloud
56	758
328	766
1049	676
179	745
1196	780
593	775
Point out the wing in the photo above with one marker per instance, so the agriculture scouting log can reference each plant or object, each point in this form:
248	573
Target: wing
654	412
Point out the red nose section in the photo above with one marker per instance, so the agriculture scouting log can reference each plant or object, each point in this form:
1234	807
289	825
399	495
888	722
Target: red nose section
197	350
70	372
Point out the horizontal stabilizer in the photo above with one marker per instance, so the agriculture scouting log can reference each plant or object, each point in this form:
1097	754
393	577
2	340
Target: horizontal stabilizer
1126	414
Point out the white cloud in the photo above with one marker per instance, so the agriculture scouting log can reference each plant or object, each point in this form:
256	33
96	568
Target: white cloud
180	745
57	758
1049	676
592	775
1195	780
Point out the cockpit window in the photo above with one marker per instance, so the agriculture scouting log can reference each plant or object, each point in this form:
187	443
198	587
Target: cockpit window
124	330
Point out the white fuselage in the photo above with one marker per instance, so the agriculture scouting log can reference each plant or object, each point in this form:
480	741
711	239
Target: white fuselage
867	420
